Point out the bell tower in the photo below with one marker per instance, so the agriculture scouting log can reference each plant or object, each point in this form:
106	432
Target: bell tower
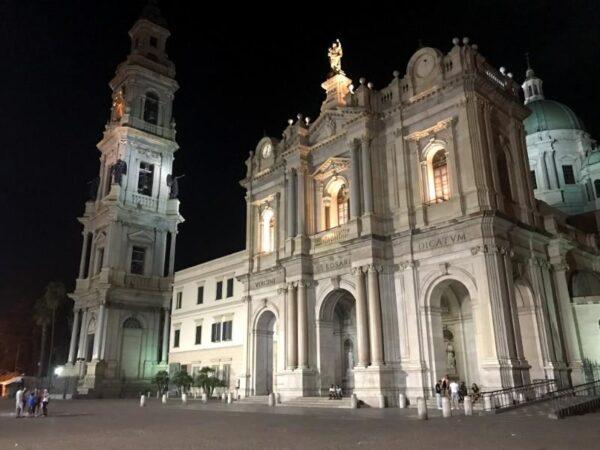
123	292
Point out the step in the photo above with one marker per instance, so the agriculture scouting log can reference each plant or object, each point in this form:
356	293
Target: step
318	402
255	399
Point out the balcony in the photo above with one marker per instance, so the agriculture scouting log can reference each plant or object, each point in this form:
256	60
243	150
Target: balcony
142	201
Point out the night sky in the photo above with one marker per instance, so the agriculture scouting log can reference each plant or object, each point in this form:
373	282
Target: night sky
242	74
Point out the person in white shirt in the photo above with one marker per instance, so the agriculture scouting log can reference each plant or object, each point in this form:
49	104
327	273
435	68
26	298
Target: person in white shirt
19	403
454	388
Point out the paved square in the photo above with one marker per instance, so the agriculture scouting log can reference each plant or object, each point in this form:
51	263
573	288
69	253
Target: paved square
122	424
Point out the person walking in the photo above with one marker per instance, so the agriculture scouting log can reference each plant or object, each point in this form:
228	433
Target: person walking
19	403
445	386
454	388
438	394
462	392
31	402
45	400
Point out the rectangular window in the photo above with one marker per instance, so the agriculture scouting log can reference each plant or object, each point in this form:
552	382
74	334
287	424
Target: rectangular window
568	174
230	287
179	300
153	41
138	255
198	334
145	178
176	339
533	180
215	335
200	296
225	374
219	295
227	330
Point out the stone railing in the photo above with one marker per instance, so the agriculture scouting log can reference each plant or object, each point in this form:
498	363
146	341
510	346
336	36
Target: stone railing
166	132
143	201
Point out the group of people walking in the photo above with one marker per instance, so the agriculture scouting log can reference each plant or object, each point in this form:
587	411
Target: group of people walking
31	403
455	391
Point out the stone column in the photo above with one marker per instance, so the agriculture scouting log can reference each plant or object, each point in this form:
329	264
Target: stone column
362	327
301	205
545	182
291	203
366	172
375	328
302	326
165	337
355	186
98	333
292	336
172	253
86	237
73	344
82	335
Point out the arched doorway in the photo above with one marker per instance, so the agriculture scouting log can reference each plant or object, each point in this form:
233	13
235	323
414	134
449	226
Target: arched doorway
266	354
131	348
453	333
528	327
337	341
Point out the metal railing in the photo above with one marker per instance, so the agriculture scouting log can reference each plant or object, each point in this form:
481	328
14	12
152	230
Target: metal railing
575	395
514	396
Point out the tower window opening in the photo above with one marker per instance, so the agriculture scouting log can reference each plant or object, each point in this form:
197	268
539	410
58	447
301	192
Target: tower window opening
568	174
138	256
504	175
267	231
533	180
597	187
153	41
151	105
145	178
439	166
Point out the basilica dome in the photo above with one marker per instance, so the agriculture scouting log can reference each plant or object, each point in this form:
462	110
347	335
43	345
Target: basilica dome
550	115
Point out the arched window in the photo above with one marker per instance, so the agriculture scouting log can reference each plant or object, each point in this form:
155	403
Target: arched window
439	166
151	108
597	187
343	205
133	323
267	230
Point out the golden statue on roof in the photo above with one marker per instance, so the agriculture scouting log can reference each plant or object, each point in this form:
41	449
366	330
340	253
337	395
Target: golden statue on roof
335	54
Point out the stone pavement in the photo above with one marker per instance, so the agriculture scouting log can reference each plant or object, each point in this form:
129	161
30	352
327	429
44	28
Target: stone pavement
122	424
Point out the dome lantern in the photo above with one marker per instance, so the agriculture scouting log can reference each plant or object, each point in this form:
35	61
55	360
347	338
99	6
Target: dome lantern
532	86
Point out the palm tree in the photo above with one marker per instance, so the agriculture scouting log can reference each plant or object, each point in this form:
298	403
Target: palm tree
207	381
42	317
55	296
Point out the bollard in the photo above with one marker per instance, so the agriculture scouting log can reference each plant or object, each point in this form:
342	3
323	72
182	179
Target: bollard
164	398
421	408
143	400
229	398
148	394
278	398
380	401
521	397
402	401
184	398
353	401
157	395
271	399
204	397
438	400
446	412
468	403
223	398
487	402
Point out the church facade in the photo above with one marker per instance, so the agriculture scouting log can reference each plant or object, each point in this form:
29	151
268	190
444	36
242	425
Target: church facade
123	291
391	241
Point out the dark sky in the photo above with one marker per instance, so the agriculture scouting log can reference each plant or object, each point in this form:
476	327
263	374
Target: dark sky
242	73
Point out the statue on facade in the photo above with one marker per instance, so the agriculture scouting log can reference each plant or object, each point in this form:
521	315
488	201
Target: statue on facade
119	105
335	54
451	358
173	184
117	171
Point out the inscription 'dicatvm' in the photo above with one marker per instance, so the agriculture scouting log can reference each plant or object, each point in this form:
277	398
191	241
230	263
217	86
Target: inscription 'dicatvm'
442	241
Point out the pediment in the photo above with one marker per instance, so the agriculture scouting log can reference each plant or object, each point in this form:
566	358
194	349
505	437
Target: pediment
141	236
325	127
331	167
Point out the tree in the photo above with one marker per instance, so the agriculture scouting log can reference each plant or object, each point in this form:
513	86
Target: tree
55	296
161	379
208	381
42	316
182	380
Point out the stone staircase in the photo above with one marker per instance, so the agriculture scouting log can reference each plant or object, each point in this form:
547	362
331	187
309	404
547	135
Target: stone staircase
318	402
254	400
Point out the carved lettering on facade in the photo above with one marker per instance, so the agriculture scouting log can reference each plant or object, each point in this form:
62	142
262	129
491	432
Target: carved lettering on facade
330	237
329	266
442	241
264	283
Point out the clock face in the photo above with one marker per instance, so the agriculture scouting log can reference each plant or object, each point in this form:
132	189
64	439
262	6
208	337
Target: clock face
267	150
424	65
